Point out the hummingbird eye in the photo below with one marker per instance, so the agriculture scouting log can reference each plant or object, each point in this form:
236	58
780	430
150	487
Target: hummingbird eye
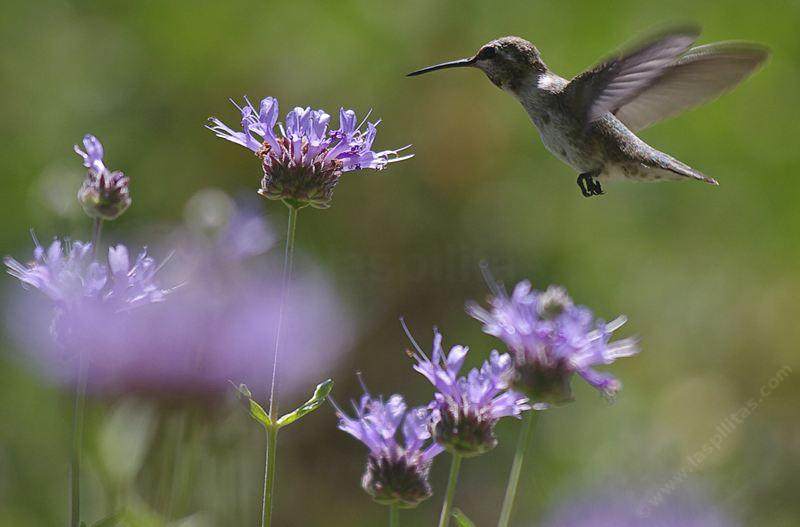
487	53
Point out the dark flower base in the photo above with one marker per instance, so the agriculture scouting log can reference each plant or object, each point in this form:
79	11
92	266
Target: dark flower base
298	186
465	435
397	482
544	385
105	196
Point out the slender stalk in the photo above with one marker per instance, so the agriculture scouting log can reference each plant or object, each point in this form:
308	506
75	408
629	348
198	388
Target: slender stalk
447	506
288	257
516	469
78	411
77	443
269	476
272	432
97	230
394	515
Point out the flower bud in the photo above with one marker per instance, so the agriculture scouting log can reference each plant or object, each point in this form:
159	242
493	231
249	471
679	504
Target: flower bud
105	195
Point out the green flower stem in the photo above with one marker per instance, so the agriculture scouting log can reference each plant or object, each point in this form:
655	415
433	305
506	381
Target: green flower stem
97	230
394	515
272	431
77	443
269	475
288	257
516	468
447	506
78	413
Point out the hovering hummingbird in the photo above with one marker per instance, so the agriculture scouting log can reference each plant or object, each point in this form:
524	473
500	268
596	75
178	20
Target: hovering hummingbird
589	121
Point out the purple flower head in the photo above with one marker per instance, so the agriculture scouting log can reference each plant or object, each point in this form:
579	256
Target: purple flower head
304	161
87	294
550	338
624	507
213	328
104	194
397	470
466	409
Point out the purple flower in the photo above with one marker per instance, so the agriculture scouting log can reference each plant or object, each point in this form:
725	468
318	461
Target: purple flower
622	507
104	194
550	338
214	328
87	293
397	471
303	163
466	409
67	273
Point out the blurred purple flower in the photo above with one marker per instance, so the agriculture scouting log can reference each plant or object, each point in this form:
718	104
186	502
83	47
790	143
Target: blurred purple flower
397	471
550	338
104	194
303	165
86	293
466	409
627	508
216	327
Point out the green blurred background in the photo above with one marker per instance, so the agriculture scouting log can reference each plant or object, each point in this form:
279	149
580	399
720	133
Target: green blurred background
707	276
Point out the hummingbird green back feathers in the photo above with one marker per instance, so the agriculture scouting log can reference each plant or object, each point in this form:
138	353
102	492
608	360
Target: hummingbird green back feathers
588	122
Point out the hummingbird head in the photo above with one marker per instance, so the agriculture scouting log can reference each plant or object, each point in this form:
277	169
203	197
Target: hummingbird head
506	61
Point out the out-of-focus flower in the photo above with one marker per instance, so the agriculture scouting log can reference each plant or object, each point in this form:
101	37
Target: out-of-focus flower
304	163
627	508
87	293
550	338
397	471
216	327
104	194
466	409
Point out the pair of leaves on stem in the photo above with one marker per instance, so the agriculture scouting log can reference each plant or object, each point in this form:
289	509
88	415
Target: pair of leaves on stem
320	394
258	413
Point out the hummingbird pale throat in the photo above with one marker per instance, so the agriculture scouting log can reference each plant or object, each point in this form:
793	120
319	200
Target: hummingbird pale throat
589	122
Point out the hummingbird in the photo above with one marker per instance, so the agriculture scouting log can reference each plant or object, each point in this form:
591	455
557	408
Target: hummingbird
590	122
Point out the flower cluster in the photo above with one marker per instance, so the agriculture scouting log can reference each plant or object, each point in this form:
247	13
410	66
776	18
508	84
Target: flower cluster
397	471
550	338
84	291
303	164
104	194
466	409
460	419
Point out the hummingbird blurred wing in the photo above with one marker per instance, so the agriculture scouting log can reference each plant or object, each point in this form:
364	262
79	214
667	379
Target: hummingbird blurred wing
701	75
616	82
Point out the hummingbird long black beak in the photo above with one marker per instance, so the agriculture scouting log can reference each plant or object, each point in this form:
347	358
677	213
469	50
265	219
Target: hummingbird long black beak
462	63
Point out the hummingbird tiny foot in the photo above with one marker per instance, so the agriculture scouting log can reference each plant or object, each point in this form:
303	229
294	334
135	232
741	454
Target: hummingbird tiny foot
589	185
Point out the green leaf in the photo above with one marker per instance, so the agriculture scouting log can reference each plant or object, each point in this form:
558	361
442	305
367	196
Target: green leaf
461	519
256	411
320	394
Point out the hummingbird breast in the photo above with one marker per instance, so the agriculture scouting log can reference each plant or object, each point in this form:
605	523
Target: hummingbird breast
561	131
